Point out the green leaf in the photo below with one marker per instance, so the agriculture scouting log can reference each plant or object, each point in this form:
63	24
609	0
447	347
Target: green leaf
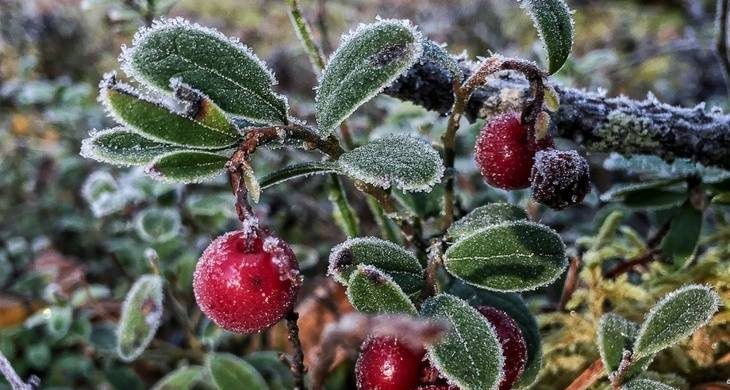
187	166
123	147
231	373
469	354
297	171
616	335
157	225
646	384
367	61
485	216
422	204
158	122
513	256
675	317
220	67
554	23
620	191
432	51
401	265
269	364
721	199
408	162
183	378
59	321
141	316
680	243
373	292
514	305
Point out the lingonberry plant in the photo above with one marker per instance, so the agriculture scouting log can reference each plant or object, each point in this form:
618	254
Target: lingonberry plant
198	104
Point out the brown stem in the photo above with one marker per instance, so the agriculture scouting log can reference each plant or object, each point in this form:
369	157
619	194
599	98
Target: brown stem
588	377
297	359
571	282
434	260
644	258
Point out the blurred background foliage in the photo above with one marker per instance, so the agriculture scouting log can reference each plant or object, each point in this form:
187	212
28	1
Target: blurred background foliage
73	233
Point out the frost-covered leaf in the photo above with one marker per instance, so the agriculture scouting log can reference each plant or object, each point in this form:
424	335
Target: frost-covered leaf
211	205
615	336
469	354
183	378
485	216
654	167
277	374
408	162
680	243
297	171
514	305
141	316
187	166
434	52
103	194
646	384
367	61
120	146
157	225
675	317
371	291
220	67
554	23
619	192
158	122
512	256
59	321
229	372
401	265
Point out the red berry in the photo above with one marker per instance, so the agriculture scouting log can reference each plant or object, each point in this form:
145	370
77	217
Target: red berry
560	178
387	364
246	281
504	152
514	348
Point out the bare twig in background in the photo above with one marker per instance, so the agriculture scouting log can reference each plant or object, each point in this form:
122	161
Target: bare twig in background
571	282
588	377
721	42
297	359
16	383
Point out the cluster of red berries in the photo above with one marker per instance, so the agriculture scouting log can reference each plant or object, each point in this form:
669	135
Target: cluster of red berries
385	363
246	280
511	158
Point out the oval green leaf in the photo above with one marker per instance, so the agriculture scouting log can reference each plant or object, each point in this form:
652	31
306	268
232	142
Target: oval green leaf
371	291
231	373
680	243
514	305
220	67
554	23
367	61
485	216
469	354
277	374
141	316
123	147
297	171
616	335
157	225
513	256
408	162
187	166
646	384
183	378
158	122
401	265
675	317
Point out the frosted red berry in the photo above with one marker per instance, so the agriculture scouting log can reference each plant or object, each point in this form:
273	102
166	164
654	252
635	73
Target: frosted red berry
514	348
560	178
387	364
504	152
246	281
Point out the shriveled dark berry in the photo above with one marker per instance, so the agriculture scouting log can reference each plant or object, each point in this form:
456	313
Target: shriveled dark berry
560	178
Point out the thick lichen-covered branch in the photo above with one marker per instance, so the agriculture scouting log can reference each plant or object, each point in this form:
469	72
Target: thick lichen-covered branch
598	122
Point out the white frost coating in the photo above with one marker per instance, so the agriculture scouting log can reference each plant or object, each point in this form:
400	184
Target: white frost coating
416	52
529	5
348	244
125	58
368	270
153	289
103	194
152	171
398	159
646	384
493	332
603	326
714	306
653	166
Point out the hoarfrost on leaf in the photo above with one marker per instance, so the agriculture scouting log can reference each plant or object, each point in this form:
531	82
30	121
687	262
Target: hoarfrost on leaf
554	23
408	162
158	225
484	216
123	147
187	166
141	316
372	291
646	384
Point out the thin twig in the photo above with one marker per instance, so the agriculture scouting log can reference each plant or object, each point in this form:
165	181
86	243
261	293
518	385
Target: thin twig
571	282
297	359
588	377
16	383
644	258
721	39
